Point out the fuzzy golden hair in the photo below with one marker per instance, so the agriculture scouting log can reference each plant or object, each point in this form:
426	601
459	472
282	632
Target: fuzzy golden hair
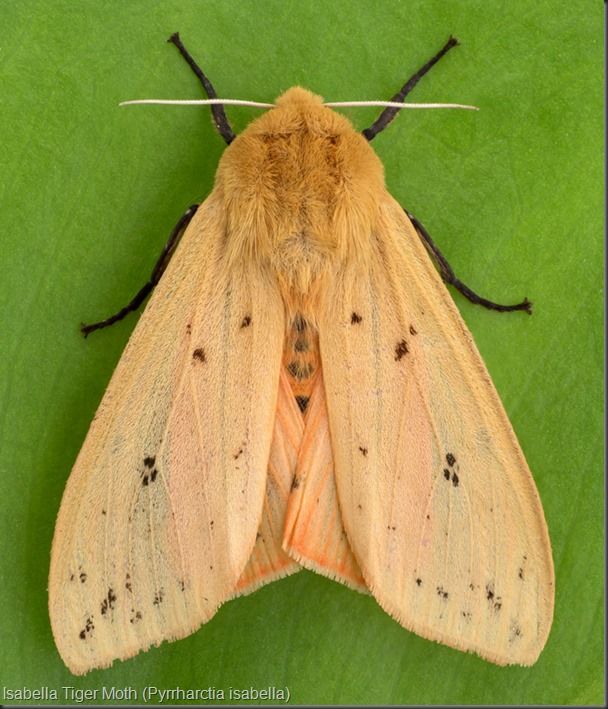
300	189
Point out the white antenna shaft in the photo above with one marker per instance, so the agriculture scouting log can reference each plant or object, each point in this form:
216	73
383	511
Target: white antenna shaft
258	104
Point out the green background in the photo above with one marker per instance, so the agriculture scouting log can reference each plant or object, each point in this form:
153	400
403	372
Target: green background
512	194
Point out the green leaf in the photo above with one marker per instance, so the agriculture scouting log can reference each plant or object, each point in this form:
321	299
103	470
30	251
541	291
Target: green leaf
512	195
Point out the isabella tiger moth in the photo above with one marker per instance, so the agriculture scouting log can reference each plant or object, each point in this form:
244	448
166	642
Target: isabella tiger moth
300	391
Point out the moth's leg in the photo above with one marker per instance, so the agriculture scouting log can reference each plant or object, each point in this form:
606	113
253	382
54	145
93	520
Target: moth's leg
157	272
219	115
448	275
389	113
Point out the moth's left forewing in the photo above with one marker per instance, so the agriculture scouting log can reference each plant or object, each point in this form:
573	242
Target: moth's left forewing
438	503
160	513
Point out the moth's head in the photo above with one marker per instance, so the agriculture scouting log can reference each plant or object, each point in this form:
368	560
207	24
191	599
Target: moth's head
301	146
298	96
300	169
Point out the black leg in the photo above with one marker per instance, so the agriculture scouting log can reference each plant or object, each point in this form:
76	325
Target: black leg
448	275
389	113
157	272
219	115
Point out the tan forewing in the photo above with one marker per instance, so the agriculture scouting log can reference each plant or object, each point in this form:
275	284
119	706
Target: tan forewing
161	510
438	503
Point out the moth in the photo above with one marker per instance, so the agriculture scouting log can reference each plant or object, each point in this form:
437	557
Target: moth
300	391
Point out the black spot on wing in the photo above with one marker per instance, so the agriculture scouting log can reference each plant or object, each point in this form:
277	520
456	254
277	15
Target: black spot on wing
355	319
158	597
493	598
363	451
515	632
401	349
450	459
88	628
302	402
136	616
246	322
108	602
442	593
199	355
413	330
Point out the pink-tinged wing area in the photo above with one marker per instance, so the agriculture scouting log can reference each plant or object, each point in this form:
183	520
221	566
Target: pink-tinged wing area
438	503
268	561
314	533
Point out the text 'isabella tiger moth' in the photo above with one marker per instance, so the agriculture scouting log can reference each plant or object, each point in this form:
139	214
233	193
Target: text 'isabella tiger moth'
300	391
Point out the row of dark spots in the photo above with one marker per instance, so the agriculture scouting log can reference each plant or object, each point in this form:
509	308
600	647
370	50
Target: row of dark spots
82	576
87	630
158	597
136	616
150	473
401	349
128	583
495	601
442	593
108	602
447	475
520	572
451	474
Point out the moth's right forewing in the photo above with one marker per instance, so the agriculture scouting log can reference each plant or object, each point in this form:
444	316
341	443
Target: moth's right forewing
437	500
161	510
